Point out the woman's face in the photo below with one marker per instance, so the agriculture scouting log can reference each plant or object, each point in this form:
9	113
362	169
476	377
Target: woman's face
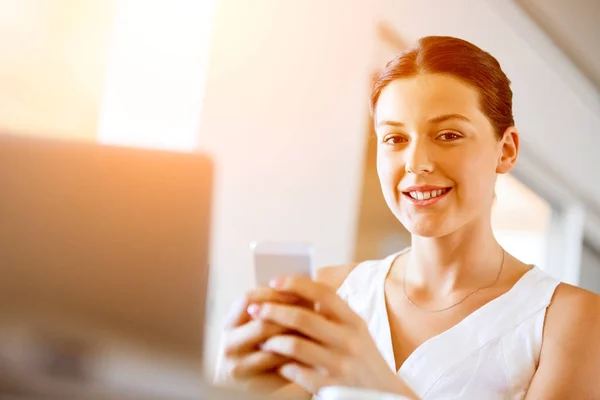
438	154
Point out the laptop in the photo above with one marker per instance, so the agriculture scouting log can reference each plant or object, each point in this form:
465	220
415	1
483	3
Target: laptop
103	268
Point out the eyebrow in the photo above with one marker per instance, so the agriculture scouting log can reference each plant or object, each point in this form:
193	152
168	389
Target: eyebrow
435	120
447	117
390	123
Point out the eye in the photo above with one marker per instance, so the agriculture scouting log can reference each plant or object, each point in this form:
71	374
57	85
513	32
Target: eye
449	136
394	139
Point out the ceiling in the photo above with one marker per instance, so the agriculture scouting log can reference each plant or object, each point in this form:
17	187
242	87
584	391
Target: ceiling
573	26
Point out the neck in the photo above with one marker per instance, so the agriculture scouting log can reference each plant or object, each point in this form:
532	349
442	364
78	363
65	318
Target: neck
462	259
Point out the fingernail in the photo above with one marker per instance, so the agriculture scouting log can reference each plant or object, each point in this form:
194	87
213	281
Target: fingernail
277	282
253	309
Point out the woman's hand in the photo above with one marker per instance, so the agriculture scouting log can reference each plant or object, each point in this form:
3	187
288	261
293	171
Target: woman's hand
242	363
337	348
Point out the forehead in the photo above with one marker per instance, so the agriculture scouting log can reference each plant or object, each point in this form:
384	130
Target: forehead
427	96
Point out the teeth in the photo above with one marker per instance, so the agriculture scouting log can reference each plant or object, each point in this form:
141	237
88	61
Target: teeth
426	195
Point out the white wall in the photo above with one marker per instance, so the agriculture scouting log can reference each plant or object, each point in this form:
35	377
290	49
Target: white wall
284	115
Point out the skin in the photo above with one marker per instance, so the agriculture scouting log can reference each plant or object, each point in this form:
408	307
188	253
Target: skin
430	131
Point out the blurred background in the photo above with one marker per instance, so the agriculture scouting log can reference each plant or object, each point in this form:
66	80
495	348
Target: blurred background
277	92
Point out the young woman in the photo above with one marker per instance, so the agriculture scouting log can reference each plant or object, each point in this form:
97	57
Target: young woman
453	316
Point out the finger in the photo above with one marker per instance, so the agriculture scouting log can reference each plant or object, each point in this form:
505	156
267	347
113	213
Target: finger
238	314
303	350
266	294
327	301
302	320
255	363
308	378
248	336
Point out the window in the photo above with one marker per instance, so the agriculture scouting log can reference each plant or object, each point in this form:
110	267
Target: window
156	75
520	220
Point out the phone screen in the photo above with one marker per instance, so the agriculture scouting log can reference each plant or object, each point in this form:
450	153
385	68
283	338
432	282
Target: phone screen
268	266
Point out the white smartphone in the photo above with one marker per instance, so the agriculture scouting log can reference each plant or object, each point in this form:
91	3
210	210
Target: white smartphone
274	259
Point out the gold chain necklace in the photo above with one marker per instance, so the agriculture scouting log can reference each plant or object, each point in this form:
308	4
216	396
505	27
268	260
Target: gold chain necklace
455	304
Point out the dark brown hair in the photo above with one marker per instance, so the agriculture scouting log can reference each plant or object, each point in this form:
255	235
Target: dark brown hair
461	59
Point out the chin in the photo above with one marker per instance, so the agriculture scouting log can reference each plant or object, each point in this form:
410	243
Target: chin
426	232
426	227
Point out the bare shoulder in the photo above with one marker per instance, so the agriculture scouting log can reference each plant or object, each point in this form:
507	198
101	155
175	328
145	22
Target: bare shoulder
570	355
334	276
572	308
566	293
572	319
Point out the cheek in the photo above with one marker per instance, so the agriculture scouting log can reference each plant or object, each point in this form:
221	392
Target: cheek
475	176
389	170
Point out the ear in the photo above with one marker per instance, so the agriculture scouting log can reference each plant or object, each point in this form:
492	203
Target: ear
509	151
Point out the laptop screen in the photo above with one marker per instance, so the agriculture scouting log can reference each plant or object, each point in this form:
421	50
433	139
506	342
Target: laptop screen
104	265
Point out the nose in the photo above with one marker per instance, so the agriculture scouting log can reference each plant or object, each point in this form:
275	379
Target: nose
417	159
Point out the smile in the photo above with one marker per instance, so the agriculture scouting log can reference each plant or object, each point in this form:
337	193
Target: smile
426	197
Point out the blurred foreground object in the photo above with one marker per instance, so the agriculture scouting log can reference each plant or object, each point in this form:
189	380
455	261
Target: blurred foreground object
104	268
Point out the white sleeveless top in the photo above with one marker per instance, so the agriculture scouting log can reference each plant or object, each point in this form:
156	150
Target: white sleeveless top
491	354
